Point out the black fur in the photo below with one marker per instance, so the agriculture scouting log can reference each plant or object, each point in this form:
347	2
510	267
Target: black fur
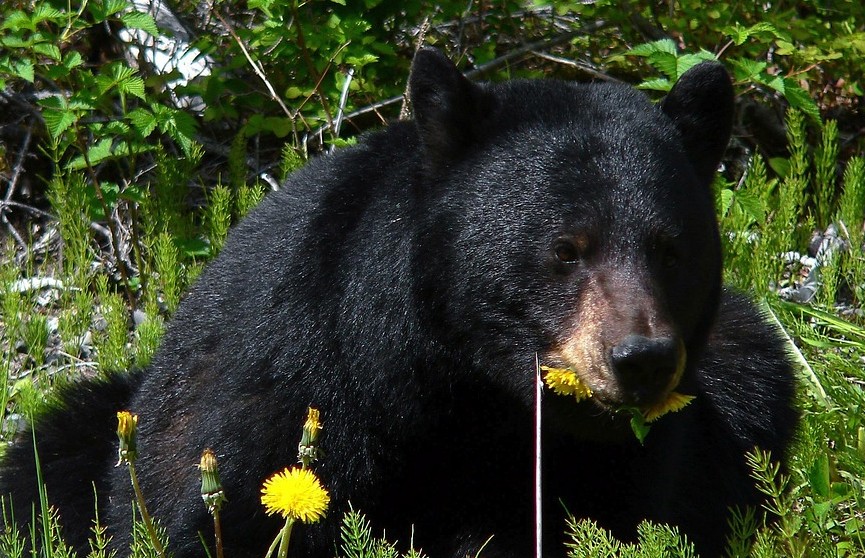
403	287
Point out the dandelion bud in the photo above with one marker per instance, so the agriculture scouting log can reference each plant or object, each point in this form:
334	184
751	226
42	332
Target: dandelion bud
307	451
211	486
127	433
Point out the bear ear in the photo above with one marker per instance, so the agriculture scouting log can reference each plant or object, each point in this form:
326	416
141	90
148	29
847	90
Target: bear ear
445	103
701	107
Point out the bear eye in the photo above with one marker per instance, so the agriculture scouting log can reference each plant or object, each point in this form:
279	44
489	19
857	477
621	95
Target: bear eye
665	252
570	250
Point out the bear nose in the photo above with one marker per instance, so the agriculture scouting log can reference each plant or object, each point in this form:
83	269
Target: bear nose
645	366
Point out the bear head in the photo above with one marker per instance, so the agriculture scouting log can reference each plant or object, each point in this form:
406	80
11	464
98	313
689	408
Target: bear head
574	222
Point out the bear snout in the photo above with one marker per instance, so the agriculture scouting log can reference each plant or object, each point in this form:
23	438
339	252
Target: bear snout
647	369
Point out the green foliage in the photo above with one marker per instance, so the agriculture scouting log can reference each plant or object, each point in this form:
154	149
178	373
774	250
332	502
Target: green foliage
851	206
218	217
246	198
136	195
825	162
357	540
166	277
775	49
290	160
111	349
75	320
68	198
587	540
148	333
36	337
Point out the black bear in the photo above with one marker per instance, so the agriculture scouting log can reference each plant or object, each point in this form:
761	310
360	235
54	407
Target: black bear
406	286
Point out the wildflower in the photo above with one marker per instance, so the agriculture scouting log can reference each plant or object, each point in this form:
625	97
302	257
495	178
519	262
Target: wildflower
312	426
211	486
565	382
307	450
675	402
295	494
127	433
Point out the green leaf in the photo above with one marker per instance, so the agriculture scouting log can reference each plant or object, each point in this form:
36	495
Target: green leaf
751	204
745	69
18	20
178	125
140	20
95	155
143	121
657	84
24	70
57	115
105	9
133	86
780	165
799	98
648	49
639	425
727	196
665	62
44	12
194	247
737	33
48	49
72	60
110	191
688	61
818	476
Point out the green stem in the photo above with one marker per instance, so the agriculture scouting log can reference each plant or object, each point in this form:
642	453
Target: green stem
286	535
148	523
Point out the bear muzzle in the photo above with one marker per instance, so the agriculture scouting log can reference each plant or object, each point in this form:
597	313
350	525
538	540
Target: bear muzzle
647	369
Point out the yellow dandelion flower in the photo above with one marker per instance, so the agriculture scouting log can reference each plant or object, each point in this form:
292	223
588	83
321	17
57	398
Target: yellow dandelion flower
565	382
295	494
675	402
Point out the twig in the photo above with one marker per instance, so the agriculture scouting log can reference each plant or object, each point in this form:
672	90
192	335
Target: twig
582	66
25	207
343	99
19	164
405	111
310	67
538	462
13	181
258	71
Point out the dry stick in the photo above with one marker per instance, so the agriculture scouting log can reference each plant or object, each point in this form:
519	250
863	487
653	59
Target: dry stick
13	182
405	111
310	67
255	66
538	462
582	66
343	99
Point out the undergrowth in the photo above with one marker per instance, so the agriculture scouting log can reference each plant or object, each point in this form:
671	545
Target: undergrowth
136	200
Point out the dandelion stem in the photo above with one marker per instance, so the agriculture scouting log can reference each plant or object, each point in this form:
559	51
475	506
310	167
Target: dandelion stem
286	535
217	530
148	523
